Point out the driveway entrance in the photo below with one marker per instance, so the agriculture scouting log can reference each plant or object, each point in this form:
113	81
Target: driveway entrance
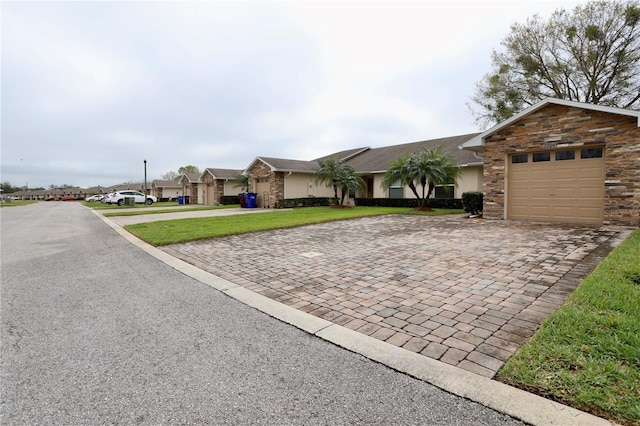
466	292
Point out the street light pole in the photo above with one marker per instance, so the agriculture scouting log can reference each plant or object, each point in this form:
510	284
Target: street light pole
145	180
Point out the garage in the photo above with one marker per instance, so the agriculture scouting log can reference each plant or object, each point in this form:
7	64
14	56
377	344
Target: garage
557	186
262	189
562	161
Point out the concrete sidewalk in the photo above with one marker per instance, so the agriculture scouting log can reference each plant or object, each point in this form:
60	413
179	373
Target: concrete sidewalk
151	217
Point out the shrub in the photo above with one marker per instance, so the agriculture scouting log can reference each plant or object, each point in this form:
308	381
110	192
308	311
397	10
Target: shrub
303	202
226	200
472	202
436	203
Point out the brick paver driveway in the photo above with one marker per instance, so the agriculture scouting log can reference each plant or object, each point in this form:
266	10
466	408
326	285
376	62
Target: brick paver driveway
467	292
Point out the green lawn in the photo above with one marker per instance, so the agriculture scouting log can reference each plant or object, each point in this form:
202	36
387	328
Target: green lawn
587	353
182	230
16	203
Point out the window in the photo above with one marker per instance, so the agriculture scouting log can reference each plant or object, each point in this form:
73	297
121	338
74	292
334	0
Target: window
541	156
263	180
444	191
565	155
591	153
519	158
396	190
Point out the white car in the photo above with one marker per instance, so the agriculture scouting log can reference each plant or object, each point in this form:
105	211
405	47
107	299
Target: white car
96	197
119	196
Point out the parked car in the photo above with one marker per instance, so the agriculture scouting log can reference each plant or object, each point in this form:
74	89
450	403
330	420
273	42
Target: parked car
105	199
119	196
96	197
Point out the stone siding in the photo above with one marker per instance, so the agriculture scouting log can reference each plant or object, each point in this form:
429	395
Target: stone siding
276	181
558	126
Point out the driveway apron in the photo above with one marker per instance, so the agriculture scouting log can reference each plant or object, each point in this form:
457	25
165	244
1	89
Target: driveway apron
463	291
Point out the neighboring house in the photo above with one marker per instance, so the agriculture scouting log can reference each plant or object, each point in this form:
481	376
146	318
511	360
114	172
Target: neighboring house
192	188
277	178
372	164
166	190
219	182
563	161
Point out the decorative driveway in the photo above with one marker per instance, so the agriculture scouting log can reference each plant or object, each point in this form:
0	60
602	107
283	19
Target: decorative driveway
463	291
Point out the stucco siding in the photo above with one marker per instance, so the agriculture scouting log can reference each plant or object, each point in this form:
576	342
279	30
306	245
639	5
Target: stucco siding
301	185
230	188
470	180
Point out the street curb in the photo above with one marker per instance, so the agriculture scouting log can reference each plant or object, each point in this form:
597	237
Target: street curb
524	406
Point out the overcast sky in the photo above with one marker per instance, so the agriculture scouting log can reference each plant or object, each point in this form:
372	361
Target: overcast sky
89	89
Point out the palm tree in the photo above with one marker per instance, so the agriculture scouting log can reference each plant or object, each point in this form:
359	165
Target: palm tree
434	167
337	174
427	168
242	181
328	174
400	170
348	181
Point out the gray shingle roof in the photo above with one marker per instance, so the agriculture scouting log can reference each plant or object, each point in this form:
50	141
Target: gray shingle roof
223	173
192	177
344	155
285	165
166	183
377	159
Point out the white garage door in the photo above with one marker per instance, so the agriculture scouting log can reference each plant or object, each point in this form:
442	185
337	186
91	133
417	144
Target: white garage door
557	186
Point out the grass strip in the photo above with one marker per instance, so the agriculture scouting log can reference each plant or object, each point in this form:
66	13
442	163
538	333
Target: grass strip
183	230
587	353
161	211
17	203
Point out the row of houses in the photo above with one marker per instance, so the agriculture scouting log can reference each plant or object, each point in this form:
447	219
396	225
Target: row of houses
556	161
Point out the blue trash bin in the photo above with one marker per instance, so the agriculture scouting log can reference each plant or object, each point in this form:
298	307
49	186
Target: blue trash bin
250	199
180	199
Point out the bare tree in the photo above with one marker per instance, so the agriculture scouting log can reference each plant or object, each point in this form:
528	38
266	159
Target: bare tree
591	55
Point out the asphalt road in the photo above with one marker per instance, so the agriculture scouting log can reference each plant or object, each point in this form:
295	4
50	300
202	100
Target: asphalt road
95	331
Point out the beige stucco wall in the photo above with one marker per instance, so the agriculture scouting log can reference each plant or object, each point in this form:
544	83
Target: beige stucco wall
230	188
470	180
300	185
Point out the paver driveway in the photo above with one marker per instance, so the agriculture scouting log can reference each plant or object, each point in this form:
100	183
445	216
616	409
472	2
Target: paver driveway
464	291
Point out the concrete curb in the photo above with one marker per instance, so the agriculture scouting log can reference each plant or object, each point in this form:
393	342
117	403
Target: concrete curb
506	399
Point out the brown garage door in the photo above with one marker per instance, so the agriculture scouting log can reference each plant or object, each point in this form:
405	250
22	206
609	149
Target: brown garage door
262	189
558	186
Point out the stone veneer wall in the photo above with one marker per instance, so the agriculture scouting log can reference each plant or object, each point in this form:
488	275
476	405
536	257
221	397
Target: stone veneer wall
559	126
276	181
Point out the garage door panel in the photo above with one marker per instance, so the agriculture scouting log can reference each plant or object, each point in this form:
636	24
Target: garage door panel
567	190
594	213
565	173
591	194
539	175
592	173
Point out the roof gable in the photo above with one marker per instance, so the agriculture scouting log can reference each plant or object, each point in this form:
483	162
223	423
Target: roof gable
190	177
286	165
477	142
221	173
